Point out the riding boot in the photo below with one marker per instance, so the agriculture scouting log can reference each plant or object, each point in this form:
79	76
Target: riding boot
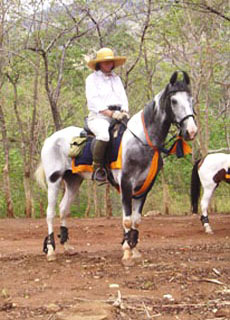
99	173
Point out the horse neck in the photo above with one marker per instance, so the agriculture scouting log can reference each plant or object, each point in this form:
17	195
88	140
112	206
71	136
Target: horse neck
156	121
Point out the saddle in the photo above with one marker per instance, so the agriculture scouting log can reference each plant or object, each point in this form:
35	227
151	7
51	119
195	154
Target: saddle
83	161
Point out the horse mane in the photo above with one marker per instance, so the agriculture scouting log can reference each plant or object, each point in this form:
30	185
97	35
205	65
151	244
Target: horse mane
148	110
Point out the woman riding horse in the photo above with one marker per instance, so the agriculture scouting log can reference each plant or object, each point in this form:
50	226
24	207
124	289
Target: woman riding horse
103	89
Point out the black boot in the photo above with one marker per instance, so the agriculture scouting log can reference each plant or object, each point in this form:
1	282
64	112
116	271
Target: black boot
99	172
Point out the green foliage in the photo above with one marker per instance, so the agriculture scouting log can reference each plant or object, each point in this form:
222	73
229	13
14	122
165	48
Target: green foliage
179	36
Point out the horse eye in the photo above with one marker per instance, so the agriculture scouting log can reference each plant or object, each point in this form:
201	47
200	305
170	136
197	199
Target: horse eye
174	101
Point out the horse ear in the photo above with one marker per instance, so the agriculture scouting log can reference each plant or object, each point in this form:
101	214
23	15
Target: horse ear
173	78
186	77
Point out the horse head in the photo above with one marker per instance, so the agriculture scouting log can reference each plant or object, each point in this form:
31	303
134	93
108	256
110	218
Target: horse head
179	105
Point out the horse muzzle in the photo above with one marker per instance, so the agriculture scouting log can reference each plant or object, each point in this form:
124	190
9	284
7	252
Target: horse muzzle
188	127
190	132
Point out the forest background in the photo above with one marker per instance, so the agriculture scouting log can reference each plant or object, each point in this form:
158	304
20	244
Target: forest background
44	46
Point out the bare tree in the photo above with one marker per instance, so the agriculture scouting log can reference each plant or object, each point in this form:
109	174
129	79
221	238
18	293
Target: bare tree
60	42
5	141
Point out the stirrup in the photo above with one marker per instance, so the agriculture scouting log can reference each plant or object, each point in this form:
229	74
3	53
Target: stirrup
100	175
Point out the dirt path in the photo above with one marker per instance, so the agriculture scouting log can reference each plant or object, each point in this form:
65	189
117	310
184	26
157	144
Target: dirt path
185	274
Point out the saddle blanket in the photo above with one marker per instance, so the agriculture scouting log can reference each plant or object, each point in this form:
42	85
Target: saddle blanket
113	160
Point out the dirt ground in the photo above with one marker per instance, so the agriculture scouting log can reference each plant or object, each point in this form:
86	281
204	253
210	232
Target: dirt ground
184	274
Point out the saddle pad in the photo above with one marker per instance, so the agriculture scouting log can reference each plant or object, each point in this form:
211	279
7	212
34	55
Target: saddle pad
113	156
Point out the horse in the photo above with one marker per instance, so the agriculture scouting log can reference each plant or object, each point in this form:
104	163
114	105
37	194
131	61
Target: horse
141	157
208	173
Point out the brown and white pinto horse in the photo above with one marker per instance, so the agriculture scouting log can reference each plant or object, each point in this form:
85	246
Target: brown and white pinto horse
142	143
208	172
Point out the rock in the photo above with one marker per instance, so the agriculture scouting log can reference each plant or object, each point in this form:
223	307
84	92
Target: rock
53	307
92	310
223	312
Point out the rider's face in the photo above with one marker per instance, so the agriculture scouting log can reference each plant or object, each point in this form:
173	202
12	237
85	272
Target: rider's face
106	66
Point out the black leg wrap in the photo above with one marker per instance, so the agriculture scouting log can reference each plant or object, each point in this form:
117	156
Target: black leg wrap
204	220
131	237
64	235
48	240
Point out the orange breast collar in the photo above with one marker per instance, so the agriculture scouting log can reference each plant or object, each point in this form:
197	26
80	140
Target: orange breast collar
154	164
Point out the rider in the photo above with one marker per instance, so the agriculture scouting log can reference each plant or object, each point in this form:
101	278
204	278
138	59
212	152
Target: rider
104	90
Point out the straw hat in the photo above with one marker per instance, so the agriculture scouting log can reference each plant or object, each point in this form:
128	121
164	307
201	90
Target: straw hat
106	54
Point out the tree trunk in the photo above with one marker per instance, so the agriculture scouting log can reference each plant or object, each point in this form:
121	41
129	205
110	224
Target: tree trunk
96	207
108	204
6	178
23	143
165	195
28	194
87	211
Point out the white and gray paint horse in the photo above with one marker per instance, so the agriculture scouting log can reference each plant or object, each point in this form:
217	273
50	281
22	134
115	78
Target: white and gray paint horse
141	140
208	173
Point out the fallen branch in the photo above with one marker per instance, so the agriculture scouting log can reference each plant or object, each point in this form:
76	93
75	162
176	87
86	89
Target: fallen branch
146	311
215	281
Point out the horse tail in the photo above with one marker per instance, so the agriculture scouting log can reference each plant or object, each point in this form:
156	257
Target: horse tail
40	176
195	187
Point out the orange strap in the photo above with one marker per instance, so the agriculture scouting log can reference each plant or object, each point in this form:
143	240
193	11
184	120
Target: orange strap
146	133
154	164
151	175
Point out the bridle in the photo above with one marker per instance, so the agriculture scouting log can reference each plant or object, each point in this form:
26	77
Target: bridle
177	123
180	123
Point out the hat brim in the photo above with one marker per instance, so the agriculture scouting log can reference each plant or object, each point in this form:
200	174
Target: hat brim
118	61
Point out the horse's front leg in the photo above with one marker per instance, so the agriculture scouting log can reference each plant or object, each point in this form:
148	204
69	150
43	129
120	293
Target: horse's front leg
130	239
49	242
127	243
136	220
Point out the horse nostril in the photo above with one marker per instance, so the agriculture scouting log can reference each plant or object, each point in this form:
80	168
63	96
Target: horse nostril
191	134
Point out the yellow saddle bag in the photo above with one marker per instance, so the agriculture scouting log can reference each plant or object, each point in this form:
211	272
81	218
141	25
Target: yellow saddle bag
76	146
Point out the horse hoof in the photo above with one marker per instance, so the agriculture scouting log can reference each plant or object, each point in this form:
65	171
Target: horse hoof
207	228
51	257
209	231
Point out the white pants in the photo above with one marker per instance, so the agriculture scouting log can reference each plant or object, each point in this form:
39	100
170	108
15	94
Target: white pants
99	125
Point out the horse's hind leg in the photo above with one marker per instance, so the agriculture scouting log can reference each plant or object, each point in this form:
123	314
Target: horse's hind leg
207	194
72	184
49	242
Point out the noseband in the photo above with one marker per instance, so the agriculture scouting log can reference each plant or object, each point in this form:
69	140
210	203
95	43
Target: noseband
180	123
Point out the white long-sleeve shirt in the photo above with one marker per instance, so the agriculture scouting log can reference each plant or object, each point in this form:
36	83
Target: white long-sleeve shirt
103	91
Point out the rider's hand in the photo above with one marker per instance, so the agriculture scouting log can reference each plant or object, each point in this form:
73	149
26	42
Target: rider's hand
120	115
125	115
117	115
